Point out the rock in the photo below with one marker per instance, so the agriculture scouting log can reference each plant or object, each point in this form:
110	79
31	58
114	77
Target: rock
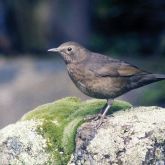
46	135
21	144
132	137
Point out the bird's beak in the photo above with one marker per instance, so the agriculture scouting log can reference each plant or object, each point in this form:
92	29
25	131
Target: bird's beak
53	50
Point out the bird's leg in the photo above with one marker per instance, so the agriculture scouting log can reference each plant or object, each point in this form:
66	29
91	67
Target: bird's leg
108	106
103	109
102	113
96	116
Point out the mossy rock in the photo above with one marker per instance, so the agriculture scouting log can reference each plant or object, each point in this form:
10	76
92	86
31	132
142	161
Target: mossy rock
60	121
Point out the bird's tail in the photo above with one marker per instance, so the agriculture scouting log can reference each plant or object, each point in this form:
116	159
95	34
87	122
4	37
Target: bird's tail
144	79
159	76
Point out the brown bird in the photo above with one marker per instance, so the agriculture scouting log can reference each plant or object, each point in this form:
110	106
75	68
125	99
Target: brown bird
100	76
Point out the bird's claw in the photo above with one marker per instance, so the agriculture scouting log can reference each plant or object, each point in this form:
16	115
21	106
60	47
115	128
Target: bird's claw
93	117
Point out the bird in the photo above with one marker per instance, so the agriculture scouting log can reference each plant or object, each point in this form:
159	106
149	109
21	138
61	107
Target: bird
100	76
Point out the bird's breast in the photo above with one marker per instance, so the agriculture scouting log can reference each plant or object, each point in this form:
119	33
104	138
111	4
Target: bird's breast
80	76
79	73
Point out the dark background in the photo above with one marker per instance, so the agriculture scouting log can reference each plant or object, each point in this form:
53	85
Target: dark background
29	76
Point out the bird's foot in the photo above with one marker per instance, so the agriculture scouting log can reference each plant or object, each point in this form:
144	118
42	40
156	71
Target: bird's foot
98	118
101	120
93	117
101	116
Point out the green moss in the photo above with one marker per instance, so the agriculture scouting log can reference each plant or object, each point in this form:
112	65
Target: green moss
118	105
61	119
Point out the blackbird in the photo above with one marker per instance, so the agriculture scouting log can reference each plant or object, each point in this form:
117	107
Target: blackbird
100	76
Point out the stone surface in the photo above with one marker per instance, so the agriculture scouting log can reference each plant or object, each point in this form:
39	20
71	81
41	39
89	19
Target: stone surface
21	144
135	136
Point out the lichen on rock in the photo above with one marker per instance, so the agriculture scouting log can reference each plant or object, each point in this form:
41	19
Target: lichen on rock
21	141
135	136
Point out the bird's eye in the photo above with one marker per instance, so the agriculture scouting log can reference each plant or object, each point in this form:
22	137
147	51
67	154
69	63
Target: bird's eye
69	49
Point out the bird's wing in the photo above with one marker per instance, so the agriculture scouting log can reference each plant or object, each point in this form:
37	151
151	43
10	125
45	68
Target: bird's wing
114	68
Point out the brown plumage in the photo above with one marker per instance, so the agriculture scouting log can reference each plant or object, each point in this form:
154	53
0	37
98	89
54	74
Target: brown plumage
100	76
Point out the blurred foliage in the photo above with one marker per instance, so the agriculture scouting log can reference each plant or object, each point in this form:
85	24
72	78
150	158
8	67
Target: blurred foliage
122	27
130	27
155	96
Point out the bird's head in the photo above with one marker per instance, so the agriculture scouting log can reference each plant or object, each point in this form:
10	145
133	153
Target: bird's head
71	52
